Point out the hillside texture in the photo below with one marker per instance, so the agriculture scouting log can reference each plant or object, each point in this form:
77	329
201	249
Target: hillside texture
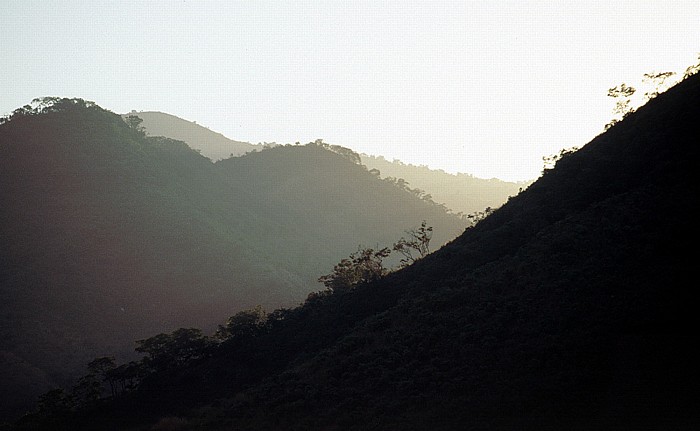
462	193
108	236
571	307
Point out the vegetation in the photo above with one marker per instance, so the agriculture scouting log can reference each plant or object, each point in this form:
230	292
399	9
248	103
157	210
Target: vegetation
246	323
462	194
108	236
570	307
655	83
134	121
417	246
363	266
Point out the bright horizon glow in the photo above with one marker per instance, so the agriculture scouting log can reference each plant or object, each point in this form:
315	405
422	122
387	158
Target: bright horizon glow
485	88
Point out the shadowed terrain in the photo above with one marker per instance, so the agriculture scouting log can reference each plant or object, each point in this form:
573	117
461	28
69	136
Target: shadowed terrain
571	307
108	236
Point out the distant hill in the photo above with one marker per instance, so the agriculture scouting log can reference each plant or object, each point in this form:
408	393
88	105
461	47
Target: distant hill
570	307
209	143
462	193
108	236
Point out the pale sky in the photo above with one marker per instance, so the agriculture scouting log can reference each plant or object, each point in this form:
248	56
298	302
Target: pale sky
482	87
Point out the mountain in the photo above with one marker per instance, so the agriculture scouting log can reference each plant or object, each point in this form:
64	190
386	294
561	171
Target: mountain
209	143
108	236
462	193
570	307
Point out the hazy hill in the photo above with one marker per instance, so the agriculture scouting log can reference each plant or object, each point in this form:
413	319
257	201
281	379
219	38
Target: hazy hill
571	307
459	192
210	144
108	236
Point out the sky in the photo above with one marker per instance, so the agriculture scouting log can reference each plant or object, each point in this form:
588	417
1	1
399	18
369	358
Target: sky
481	87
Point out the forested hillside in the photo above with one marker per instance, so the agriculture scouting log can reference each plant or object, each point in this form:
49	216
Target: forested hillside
571	307
108	236
461	193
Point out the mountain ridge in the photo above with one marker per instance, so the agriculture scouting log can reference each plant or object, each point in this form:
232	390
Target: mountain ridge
462	193
109	235
211	144
570	307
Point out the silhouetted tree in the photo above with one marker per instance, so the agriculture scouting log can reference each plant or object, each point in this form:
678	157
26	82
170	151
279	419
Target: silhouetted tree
693	69
478	216
343	151
622	94
187	344
101	367
87	391
363	266
125	376
243	324
416	246
551	160
657	82
165	351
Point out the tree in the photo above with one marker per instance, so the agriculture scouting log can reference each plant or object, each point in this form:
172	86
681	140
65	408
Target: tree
363	266
245	323
187	344
478	216
693	69
101	367
343	151
657	81
165	351
622	95
125	376
134	122
551	160
399	182
416	246
87	391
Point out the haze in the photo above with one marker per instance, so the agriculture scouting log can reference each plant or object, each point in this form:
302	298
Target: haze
486	88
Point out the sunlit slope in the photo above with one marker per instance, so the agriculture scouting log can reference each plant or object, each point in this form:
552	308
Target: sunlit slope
459	192
108	236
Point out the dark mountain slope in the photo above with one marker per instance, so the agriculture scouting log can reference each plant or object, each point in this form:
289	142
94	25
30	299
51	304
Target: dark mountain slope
103	241
571	307
108	236
210	144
